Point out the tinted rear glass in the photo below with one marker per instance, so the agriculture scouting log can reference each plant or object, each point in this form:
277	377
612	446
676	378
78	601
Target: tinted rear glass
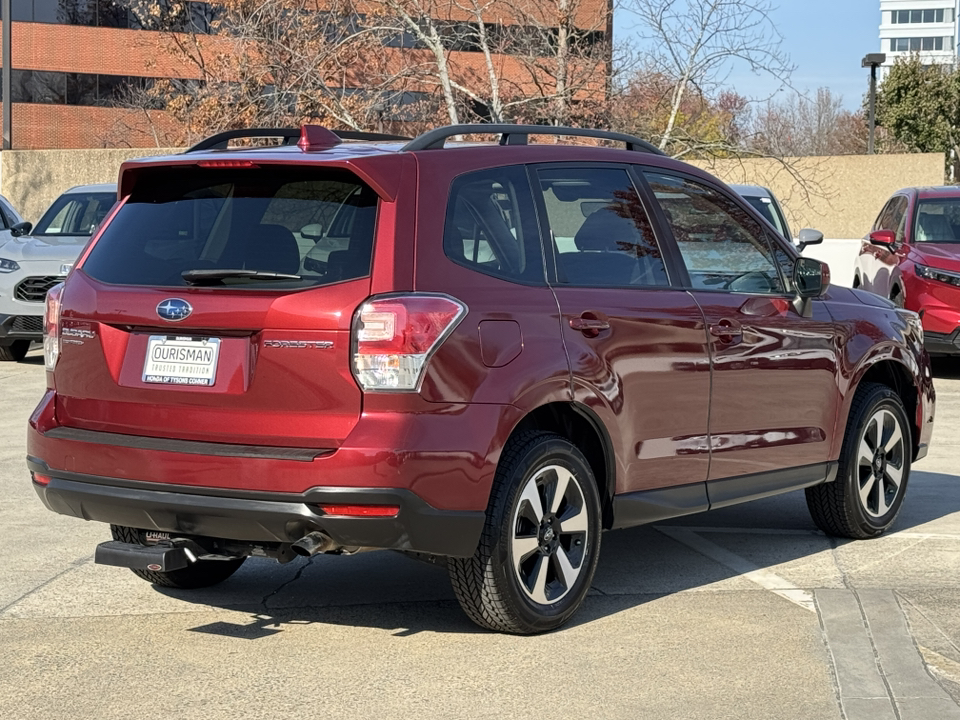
313	223
76	214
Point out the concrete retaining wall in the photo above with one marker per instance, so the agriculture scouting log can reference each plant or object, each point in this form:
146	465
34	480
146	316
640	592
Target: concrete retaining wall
32	179
840	196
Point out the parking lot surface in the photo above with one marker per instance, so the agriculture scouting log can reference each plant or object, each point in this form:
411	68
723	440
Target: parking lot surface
747	612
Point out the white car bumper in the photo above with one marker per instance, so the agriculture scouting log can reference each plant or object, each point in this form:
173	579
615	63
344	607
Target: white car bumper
22	295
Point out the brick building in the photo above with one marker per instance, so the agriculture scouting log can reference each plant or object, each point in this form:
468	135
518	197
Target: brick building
72	60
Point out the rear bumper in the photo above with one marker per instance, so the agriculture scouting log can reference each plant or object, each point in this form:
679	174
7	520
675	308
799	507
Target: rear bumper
259	516
442	454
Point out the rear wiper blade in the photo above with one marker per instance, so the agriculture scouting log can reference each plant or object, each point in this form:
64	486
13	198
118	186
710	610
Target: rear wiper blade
214	275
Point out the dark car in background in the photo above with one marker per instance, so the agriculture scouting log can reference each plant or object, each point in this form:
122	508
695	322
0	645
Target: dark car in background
765	202
484	353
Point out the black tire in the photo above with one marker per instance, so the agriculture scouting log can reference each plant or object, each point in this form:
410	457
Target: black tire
489	585
202	573
838	507
15	351
897	298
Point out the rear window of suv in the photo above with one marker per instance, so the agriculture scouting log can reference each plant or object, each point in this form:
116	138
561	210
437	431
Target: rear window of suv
310	226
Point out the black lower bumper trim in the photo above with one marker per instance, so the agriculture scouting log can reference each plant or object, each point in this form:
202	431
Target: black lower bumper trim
940	344
417	526
21	327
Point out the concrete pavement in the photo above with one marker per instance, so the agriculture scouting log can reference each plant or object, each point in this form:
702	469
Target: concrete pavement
743	613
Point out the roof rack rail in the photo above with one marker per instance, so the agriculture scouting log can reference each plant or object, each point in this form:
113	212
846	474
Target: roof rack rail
290	136
518	134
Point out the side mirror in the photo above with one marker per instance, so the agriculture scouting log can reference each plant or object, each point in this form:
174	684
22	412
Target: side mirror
809	236
313	231
883	238
19	229
811	277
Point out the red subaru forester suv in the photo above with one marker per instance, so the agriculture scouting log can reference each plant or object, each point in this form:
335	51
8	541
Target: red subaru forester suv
912	257
484	353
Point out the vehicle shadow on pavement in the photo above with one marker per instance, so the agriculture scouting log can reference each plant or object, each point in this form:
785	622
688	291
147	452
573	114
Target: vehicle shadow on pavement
946	368
389	591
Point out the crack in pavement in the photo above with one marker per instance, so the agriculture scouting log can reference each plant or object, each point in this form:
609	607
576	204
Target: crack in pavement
285	583
73	566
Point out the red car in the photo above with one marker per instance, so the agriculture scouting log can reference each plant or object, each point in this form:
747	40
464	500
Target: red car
912	257
486	353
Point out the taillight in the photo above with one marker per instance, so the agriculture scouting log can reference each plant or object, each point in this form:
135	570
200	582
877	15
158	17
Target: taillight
51	327
394	337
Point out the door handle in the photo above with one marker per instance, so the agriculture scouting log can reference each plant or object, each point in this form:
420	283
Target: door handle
726	330
589	324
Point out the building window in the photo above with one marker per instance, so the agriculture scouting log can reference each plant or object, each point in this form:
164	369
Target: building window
917	44
59	88
903	17
168	15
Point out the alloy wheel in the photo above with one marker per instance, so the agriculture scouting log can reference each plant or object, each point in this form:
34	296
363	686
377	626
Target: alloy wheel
880	463
550	534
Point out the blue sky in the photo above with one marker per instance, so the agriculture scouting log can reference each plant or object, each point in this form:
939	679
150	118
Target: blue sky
826	39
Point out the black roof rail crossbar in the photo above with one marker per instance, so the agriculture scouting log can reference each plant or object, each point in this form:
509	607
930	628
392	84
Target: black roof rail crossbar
354	135
290	136
219	141
518	134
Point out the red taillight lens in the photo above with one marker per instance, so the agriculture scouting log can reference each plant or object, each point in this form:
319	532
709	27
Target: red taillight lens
395	336
361	510
51	327
41	479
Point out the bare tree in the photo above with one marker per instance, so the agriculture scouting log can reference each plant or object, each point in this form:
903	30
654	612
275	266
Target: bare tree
697	43
274	63
564	52
803	126
503	60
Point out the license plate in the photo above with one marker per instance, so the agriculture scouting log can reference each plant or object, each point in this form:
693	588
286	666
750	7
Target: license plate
181	360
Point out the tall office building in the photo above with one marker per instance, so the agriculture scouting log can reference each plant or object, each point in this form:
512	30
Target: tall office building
73	60
927	27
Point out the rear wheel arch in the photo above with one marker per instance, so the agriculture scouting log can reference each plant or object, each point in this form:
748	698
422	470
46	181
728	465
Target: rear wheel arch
582	427
897	377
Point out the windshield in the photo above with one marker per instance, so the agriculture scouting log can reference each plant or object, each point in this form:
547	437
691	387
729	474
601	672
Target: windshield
765	207
937	221
281	227
76	214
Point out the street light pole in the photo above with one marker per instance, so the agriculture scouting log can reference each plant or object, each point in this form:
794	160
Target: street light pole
7	74
872	61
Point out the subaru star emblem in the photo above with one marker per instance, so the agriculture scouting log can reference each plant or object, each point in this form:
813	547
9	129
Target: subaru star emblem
174	309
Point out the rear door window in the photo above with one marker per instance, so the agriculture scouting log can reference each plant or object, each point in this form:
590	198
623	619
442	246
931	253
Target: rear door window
601	234
491	225
187	225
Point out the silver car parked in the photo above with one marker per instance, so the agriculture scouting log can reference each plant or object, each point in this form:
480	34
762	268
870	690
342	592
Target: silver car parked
32	264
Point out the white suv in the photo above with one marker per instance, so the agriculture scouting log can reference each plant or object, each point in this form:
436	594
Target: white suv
32	264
